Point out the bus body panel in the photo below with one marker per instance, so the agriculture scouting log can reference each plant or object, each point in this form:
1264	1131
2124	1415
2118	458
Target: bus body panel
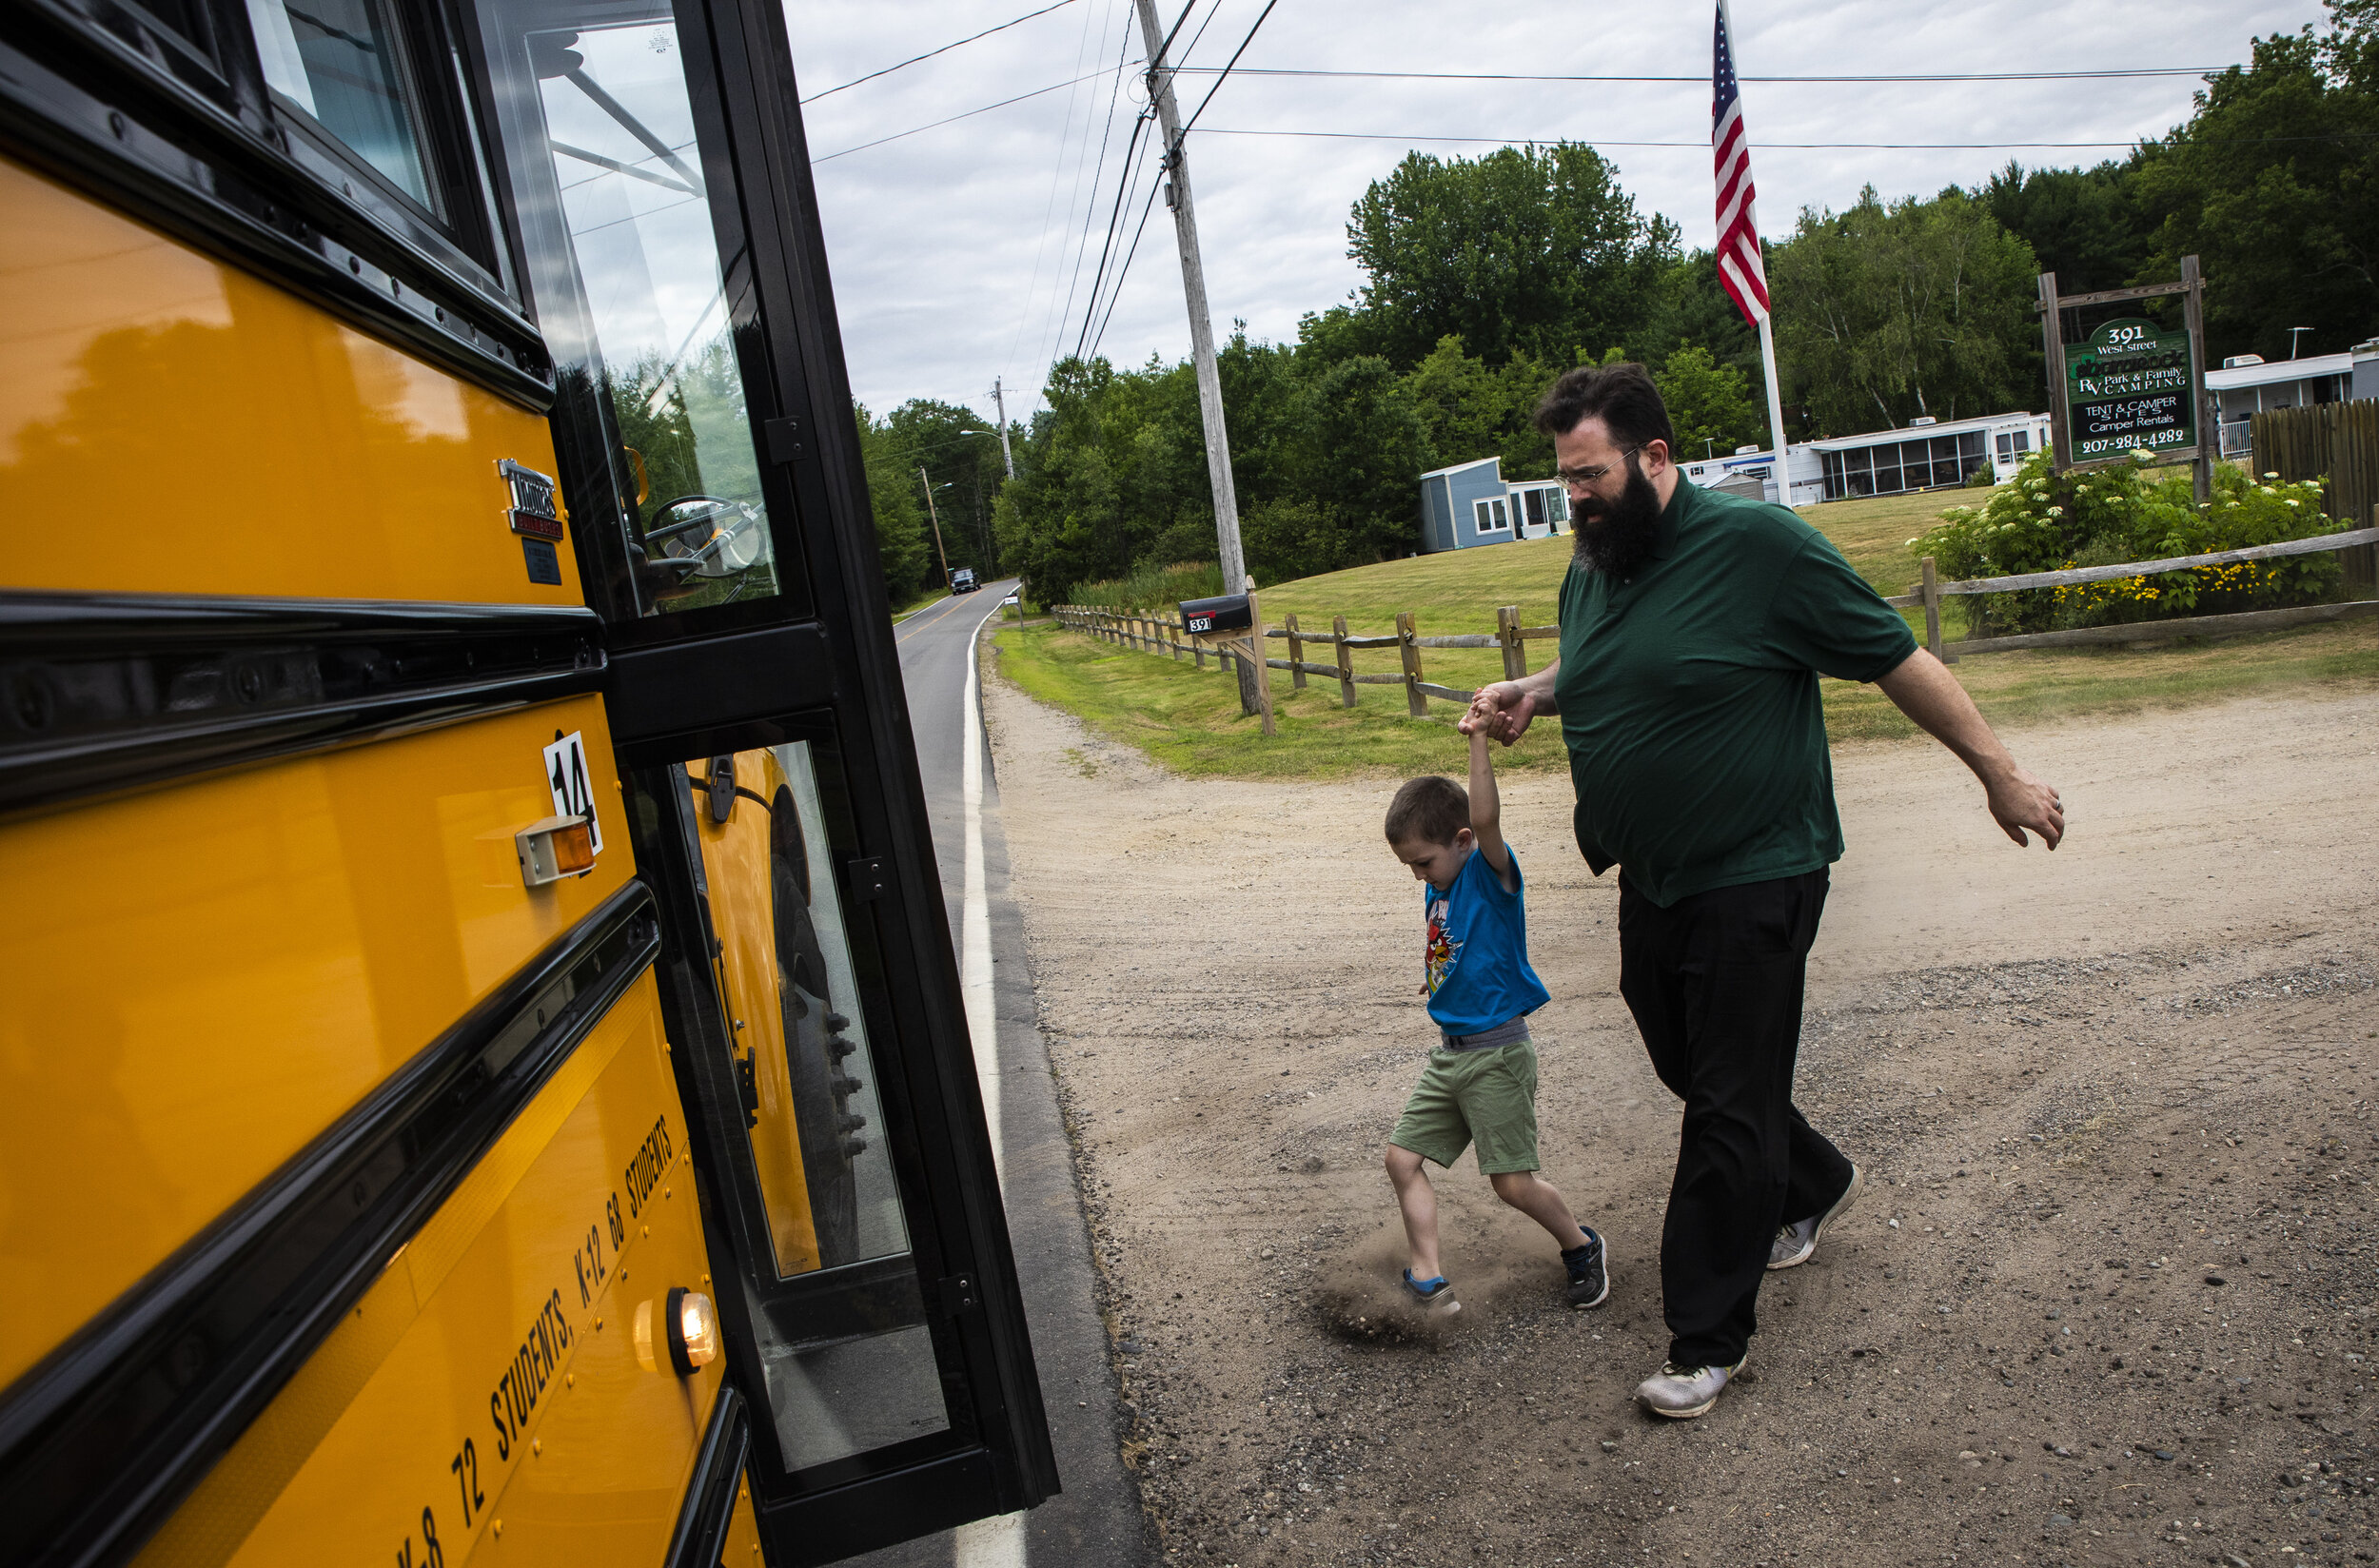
207	975
488	1391
742	1546
736	861
170	423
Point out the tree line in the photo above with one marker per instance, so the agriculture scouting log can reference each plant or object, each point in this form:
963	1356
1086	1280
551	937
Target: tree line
1485	277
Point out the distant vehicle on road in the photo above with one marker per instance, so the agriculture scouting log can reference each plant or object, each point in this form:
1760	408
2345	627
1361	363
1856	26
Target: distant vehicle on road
962	580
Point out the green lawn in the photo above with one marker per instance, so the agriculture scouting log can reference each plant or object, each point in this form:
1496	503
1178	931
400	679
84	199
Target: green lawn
1189	719
901	612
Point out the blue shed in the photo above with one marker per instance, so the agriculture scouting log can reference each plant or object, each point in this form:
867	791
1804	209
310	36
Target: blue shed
1463	505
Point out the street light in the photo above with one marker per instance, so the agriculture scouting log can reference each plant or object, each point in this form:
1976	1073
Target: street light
2296	332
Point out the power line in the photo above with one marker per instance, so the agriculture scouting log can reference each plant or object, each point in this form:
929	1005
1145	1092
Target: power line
1224	74
1524	76
1089	210
1116	294
1456	76
968	114
1886	146
1040	250
1173	33
1123	179
1098	279
930	53
1054	329
1190	47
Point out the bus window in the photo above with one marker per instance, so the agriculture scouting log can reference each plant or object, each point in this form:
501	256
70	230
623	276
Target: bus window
849	1363
341	60
626	269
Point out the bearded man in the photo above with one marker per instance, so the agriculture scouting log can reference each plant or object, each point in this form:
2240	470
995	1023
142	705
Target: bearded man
1695	625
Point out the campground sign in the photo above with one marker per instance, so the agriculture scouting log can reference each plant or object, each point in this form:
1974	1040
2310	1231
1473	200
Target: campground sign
2131	385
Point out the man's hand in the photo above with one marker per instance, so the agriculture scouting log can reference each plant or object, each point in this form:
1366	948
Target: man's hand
2018	801
1500	712
1921	687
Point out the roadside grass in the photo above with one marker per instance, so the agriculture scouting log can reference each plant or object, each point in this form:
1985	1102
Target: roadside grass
1189	719
901	612
1151	586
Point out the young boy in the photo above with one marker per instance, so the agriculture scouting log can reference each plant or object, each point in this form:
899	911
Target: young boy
1481	1082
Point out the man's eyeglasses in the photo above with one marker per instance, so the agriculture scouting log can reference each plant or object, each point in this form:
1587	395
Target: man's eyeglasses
1579	478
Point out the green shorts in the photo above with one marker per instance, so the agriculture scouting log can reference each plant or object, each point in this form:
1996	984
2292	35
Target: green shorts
1489	1096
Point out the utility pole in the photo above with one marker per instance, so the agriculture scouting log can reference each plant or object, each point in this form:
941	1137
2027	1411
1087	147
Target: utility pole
1005	456
1201	333
938	523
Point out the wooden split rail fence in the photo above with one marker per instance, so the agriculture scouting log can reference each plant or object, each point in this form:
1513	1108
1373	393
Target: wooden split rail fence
1929	593
1163	634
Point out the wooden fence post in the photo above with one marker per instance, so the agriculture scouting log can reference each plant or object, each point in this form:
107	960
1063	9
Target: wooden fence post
1255	647
1507	633
1345	664
1296	652
1408	646
1932	591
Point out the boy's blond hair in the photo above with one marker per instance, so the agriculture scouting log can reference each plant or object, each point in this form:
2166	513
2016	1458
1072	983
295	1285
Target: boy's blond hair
1431	810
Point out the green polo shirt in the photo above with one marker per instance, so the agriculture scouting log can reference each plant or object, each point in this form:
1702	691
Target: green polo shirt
1689	700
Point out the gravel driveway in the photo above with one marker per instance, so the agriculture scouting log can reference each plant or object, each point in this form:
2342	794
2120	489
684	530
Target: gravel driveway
2108	1296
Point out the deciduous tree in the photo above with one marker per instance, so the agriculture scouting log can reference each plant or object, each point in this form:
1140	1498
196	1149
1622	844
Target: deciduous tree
1887	312
1536	249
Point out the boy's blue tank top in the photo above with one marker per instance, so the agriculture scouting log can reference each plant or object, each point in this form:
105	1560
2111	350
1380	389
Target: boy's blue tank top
1477	951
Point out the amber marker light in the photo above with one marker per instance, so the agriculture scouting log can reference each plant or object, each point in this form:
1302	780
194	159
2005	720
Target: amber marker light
553	849
696	1341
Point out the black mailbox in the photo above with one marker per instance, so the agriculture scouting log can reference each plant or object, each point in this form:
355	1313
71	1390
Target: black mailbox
1215	616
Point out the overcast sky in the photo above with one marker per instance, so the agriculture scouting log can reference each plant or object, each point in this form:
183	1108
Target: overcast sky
958	253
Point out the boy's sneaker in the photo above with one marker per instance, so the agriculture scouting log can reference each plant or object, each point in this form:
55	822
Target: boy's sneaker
1589	1282
1796	1242
1681	1393
1431	1295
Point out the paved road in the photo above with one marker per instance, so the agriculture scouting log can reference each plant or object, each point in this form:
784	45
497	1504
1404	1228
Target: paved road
1096	1521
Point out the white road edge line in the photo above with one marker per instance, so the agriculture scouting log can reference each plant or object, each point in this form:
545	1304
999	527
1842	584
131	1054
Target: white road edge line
975	920
991	1542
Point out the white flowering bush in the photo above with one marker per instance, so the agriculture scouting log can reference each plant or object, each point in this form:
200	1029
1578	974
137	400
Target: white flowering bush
2045	522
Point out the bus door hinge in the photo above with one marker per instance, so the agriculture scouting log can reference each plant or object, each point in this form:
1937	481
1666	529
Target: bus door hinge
871	879
959	1295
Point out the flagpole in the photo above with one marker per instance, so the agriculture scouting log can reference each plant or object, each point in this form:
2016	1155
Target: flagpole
1776	414
1749	290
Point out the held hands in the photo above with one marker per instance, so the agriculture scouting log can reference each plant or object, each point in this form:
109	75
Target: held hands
1500	712
2018	801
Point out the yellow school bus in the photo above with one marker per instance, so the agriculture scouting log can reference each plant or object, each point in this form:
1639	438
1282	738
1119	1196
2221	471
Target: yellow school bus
481	1065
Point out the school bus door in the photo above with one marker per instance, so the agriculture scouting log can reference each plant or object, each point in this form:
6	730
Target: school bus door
655	162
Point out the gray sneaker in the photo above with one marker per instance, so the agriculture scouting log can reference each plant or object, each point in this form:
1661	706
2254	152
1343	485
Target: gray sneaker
1681	1393
1796	1242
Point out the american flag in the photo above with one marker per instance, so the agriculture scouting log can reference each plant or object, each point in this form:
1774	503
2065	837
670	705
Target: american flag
1740	272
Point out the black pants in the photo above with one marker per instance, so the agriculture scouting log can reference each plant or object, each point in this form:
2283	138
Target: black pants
1715	983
